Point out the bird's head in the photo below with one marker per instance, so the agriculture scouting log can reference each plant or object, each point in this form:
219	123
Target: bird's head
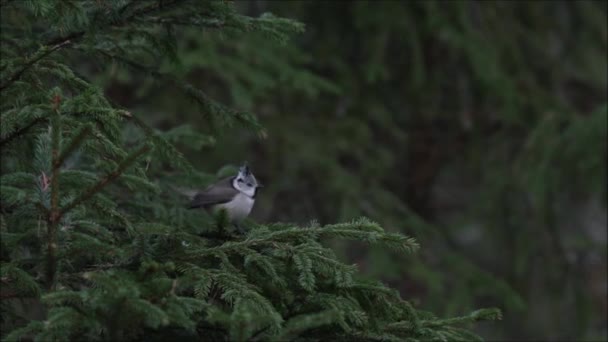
245	181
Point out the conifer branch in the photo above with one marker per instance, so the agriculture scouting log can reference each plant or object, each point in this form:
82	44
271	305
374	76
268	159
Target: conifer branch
61	42
160	5
107	179
208	105
221	236
478	315
54	217
79	34
212	23
348	230
76	141
21	131
40	54
126	7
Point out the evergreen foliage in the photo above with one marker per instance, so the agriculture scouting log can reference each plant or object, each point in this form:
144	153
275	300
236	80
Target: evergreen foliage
96	245
477	126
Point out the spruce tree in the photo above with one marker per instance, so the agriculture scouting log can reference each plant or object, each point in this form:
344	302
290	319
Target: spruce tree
96	244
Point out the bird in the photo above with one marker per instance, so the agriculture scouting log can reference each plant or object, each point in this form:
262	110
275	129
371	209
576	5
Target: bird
235	194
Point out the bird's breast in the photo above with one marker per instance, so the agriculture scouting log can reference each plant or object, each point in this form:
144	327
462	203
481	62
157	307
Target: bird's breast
238	208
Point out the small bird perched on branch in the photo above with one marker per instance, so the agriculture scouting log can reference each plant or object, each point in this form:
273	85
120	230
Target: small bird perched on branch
234	194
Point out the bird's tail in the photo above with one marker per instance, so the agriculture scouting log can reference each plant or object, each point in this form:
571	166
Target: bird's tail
190	193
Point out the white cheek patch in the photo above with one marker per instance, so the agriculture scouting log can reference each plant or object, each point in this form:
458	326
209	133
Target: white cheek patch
240	186
237	185
249	191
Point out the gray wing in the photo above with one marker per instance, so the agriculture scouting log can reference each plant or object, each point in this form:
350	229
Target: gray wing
220	192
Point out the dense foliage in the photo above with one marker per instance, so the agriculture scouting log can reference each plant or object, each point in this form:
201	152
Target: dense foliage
95	243
479	127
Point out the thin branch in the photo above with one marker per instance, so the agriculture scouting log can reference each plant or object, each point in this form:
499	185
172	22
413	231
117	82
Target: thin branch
160	5
64	39
126	7
106	180
220	236
259	333
21	131
40	54
61	42
210	23
201	98
72	146
53	218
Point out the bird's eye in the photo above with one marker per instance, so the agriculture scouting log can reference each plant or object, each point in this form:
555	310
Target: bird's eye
248	184
239	180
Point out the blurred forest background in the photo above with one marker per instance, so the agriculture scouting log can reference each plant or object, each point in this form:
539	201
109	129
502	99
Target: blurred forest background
479	128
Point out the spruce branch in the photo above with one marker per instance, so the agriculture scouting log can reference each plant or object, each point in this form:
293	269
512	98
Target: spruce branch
54	213
127	7
120	22
21	131
207	104
211	23
39	55
132	158
361	229
163	146
63	41
478	315
160	5
76	141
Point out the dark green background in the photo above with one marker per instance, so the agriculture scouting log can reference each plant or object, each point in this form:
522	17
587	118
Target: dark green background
479	128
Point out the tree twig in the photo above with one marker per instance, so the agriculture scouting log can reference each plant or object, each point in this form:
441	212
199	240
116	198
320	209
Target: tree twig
54	217
20	131
63	41
72	146
40	54
106	180
213	23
